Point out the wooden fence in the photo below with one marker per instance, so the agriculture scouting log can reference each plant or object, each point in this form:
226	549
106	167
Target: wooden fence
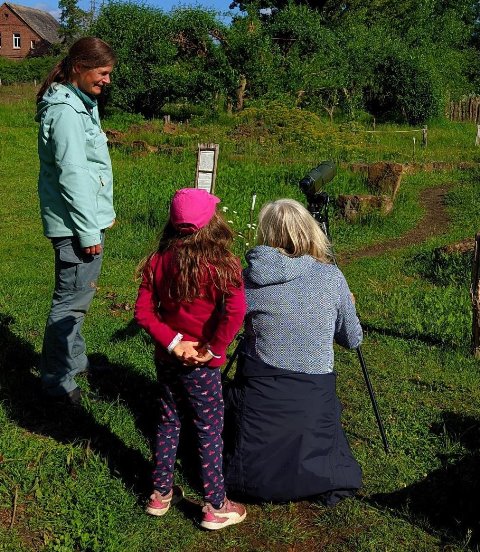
467	109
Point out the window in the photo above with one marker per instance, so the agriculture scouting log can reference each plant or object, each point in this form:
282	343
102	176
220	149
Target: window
32	44
16	40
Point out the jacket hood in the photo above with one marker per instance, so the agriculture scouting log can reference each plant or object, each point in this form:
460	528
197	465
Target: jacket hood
59	94
267	265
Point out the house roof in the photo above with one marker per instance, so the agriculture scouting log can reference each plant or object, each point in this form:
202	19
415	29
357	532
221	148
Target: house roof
40	21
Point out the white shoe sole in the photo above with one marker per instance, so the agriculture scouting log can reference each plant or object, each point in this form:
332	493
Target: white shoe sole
213	526
176	498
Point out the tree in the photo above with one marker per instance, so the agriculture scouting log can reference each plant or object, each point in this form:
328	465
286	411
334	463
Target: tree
176	57
73	21
254	58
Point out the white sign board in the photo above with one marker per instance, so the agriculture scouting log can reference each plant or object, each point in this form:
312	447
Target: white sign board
206	167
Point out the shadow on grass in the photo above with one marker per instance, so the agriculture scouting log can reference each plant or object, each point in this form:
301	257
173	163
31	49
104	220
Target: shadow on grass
20	390
409	336
448	499
140	395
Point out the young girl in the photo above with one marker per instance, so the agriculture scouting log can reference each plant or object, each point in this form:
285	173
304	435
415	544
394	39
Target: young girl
192	302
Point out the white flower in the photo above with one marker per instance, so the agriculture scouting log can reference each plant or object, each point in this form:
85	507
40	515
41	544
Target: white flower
246	243
224	208
249	225
230	221
235	212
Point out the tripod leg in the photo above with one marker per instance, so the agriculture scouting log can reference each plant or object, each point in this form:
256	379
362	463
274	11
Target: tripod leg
372	398
232	359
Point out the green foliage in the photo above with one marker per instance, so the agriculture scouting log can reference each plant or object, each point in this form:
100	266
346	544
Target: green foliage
163	58
404	90
73	21
329	58
254	55
25	70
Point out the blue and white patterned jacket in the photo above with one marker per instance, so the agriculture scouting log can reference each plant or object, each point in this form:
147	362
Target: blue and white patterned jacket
297	307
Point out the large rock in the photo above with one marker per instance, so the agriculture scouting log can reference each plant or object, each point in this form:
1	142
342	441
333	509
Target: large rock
353	206
385	177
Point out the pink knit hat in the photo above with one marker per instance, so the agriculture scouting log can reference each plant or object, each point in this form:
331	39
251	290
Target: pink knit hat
192	209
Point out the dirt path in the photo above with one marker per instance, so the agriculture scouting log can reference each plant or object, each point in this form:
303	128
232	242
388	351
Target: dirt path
432	224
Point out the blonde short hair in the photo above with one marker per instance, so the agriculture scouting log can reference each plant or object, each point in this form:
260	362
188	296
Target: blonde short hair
288	226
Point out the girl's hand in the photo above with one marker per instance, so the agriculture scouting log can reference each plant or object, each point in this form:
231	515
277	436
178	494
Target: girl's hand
203	355
186	351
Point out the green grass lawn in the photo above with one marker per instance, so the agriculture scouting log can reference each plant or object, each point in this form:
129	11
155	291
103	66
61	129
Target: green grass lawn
77	481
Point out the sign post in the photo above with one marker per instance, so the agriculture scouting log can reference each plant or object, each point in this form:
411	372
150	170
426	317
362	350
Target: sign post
206	167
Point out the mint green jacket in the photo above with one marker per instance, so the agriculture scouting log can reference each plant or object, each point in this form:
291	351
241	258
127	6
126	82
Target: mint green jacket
75	180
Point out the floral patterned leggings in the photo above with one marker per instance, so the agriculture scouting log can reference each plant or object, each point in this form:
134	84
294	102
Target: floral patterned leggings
194	392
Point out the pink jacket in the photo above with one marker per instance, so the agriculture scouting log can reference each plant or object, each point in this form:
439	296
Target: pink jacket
214	318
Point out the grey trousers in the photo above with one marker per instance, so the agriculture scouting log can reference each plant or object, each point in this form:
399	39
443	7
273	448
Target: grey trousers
63	353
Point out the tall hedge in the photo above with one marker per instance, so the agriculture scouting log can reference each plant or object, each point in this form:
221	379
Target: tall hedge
26	70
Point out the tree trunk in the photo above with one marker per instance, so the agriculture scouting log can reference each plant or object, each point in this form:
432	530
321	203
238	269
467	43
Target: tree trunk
475	291
241	92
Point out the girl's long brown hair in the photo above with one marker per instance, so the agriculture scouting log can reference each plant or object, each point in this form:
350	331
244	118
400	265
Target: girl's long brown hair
198	259
89	52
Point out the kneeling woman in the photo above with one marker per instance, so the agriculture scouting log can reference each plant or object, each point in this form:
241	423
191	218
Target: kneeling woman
283	435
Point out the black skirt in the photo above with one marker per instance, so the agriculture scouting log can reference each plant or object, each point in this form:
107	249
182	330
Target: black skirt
283	436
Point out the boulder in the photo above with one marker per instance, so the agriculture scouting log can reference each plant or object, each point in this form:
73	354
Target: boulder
385	177
353	206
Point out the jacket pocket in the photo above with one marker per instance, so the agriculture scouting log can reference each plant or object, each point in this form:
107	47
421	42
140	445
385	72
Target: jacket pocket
100	140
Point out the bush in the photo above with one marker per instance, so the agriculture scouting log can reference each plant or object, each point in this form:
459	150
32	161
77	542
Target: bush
404	90
26	70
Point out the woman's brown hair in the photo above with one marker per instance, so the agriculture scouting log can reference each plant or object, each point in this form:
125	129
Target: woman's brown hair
89	52
198	258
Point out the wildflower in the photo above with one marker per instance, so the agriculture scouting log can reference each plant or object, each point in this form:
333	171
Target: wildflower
224	208
230	221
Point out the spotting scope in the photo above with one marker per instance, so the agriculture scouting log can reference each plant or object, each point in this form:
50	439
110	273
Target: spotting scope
312	184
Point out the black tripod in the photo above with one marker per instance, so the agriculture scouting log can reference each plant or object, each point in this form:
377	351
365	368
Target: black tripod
317	204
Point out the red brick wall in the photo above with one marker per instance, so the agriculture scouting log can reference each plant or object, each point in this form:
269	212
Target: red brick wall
9	24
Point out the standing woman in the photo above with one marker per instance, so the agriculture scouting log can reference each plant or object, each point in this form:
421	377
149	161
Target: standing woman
283	435
75	189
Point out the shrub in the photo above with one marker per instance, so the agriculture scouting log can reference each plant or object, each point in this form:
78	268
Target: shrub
26	70
403	90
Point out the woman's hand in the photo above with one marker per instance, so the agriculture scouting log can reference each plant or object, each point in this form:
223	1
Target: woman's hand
93	249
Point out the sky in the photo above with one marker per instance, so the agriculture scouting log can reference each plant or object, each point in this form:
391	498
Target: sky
51	6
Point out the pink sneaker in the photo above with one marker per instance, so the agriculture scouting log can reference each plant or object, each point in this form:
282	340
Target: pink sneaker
229	514
159	505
